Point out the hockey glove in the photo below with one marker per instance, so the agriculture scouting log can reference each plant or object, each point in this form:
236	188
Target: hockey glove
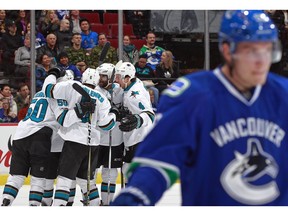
57	72
116	111
83	108
130	123
131	196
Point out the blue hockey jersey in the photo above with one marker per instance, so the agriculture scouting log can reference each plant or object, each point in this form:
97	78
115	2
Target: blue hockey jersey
225	149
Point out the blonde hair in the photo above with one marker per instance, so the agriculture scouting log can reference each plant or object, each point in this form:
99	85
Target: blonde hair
169	61
47	16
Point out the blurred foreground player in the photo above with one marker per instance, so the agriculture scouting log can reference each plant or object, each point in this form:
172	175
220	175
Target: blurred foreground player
222	132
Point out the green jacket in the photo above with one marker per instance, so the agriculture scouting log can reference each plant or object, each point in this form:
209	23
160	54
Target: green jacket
111	56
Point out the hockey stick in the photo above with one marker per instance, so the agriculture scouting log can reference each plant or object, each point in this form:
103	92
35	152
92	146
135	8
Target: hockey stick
85	94
104	52
10	144
110	132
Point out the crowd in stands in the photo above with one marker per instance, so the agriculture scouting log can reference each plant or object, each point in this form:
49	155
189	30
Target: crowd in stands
74	40
71	40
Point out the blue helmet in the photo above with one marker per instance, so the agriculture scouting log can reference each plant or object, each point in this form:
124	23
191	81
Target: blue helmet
249	26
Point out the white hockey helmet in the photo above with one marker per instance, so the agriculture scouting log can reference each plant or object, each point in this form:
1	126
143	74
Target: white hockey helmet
69	75
126	69
90	76
106	69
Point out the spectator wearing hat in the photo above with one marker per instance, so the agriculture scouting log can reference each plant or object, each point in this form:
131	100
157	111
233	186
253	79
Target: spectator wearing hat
11	42
63	62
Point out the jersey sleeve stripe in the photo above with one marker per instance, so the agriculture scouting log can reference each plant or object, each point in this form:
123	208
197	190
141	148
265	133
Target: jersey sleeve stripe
49	91
108	126
151	115
168	171
61	117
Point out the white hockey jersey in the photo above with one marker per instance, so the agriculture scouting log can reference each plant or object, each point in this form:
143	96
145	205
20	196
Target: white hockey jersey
38	116
137	100
116	133
75	129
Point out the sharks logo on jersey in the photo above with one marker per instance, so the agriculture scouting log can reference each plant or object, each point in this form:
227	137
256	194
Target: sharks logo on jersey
239	177
134	94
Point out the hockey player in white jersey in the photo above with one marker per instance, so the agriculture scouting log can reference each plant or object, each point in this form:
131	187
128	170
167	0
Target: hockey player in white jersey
56	149
31	147
136	101
74	158
113	137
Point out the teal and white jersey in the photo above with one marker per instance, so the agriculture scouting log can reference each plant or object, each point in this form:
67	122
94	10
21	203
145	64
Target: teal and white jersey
38	116
117	134
136	99
59	107
75	129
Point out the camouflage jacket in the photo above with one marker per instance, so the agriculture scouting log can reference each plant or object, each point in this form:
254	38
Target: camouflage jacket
111	56
78	56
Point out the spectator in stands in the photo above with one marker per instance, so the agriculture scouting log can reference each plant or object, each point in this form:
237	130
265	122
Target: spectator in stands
50	24
140	21
39	38
89	38
21	22
41	70
22	95
11	42
22	60
145	71
130	53
152	99
2	22
111	56
76	54
75	21
23	111
6	116
49	49
5	92
40	17
152	51
64	63
64	35
166	69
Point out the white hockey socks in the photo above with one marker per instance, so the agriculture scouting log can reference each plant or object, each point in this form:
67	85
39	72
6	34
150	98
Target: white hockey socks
72	193
107	194
36	191
14	183
62	192
48	193
94	199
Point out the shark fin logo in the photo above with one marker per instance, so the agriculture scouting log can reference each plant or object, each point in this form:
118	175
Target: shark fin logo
239	175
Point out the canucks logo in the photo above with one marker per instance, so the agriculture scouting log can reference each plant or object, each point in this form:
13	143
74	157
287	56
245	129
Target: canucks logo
177	87
134	94
241	174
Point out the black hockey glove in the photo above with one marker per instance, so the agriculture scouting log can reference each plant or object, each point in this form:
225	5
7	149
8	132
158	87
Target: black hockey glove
83	108
57	72
130	123
116	111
